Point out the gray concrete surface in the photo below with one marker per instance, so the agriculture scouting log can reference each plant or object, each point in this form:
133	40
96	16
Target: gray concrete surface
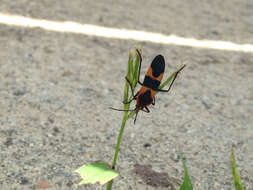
55	90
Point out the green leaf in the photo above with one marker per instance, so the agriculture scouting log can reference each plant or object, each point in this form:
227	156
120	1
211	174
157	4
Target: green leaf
236	177
130	64
171	76
186	185
132	73
129	74
100	172
132	113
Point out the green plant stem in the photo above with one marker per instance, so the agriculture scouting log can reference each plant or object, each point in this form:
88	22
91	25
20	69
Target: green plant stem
119	139
125	118
109	185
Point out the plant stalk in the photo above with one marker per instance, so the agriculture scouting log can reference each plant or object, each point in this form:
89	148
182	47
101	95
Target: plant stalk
109	185
125	117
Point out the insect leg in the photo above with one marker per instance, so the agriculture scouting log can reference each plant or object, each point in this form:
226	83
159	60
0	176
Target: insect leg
146	109
139	66
120	109
134	96
128	101
130	86
161	90
153	103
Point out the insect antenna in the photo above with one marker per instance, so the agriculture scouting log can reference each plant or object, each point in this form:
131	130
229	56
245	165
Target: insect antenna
120	109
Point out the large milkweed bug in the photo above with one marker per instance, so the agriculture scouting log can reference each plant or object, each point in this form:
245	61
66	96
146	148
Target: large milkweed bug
150	86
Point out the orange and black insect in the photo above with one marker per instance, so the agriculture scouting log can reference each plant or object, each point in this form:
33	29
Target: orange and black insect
150	86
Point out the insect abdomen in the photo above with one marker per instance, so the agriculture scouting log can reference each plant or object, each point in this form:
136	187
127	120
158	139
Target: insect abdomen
144	99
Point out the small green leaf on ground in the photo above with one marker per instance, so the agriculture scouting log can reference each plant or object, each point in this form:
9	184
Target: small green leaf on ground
236	177
186	185
97	172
